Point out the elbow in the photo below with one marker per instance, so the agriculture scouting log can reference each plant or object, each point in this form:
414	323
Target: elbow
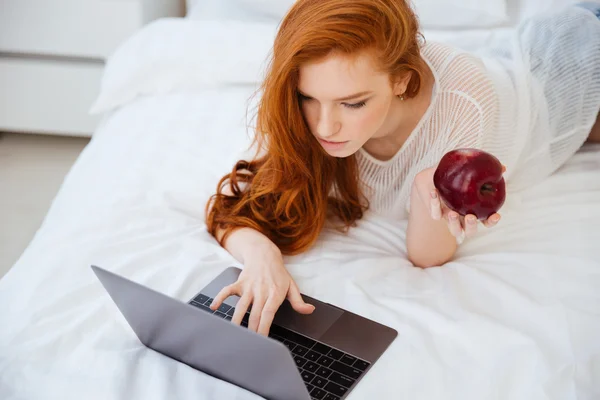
430	260
423	264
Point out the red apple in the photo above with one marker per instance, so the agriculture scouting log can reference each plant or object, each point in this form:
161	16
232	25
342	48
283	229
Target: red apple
470	181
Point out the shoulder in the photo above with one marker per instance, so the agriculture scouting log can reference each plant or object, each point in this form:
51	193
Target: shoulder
465	86
458	70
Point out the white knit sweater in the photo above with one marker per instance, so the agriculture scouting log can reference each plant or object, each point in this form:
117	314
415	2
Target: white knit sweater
530	100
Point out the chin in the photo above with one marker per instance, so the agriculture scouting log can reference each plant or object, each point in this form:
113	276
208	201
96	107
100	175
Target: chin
341	153
344	156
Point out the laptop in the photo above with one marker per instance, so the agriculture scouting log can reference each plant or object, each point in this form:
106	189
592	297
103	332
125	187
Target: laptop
323	355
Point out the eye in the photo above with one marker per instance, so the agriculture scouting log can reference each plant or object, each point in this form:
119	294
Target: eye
355	105
303	97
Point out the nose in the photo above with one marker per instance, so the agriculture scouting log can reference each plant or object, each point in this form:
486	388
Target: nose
328	124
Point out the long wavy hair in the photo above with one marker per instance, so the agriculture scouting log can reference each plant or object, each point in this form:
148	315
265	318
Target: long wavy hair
294	187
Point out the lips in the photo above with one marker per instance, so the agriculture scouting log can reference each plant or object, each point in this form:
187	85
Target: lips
330	142
332	146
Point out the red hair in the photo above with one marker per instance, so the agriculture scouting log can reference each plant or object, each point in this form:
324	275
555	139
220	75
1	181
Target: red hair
289	192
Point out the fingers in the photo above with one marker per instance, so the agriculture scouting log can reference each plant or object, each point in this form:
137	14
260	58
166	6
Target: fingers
263	299
436	206
257	307
454	224
470	226
240	309
492	220
503	168
296	300
224	294
268	314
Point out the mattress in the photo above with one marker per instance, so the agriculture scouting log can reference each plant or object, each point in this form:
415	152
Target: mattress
515	315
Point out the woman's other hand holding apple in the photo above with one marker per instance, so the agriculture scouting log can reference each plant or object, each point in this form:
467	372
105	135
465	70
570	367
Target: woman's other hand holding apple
460	226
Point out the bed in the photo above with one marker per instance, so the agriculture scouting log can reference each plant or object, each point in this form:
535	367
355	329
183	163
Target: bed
516	315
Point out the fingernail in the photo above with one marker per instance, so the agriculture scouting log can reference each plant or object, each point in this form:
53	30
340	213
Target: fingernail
453	217
433	195
495	219
472	220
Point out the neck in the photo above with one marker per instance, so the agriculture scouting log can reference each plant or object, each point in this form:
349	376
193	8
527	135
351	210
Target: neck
405	116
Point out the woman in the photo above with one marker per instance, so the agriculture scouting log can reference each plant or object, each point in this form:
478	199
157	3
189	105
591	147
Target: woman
356	112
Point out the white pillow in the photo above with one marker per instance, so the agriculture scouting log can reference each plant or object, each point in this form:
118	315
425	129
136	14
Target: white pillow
173	53
461	14
222	10
433	14
272	8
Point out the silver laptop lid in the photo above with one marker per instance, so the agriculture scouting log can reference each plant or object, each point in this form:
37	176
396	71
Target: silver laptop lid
205	342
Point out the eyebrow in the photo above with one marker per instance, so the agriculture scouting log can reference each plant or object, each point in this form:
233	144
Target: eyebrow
353	96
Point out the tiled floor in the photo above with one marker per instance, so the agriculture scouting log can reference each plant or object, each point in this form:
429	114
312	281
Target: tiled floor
32	168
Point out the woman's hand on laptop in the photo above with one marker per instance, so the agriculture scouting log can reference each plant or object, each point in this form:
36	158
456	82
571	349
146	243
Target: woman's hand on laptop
263	283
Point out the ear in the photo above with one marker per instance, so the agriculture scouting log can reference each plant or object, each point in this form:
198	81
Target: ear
401	83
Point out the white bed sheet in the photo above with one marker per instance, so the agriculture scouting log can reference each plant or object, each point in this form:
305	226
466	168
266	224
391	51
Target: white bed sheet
515	316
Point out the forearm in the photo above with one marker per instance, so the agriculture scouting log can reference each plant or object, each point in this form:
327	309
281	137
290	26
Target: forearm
429	242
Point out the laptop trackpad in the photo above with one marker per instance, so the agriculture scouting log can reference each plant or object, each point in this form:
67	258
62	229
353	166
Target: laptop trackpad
313	325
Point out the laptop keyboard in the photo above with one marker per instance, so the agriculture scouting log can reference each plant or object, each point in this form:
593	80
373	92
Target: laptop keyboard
327	372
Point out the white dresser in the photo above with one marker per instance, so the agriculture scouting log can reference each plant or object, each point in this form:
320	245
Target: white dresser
52	54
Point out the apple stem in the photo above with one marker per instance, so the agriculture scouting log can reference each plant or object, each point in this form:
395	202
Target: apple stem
487	188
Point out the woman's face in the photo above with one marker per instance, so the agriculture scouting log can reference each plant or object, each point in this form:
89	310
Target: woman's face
346	101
